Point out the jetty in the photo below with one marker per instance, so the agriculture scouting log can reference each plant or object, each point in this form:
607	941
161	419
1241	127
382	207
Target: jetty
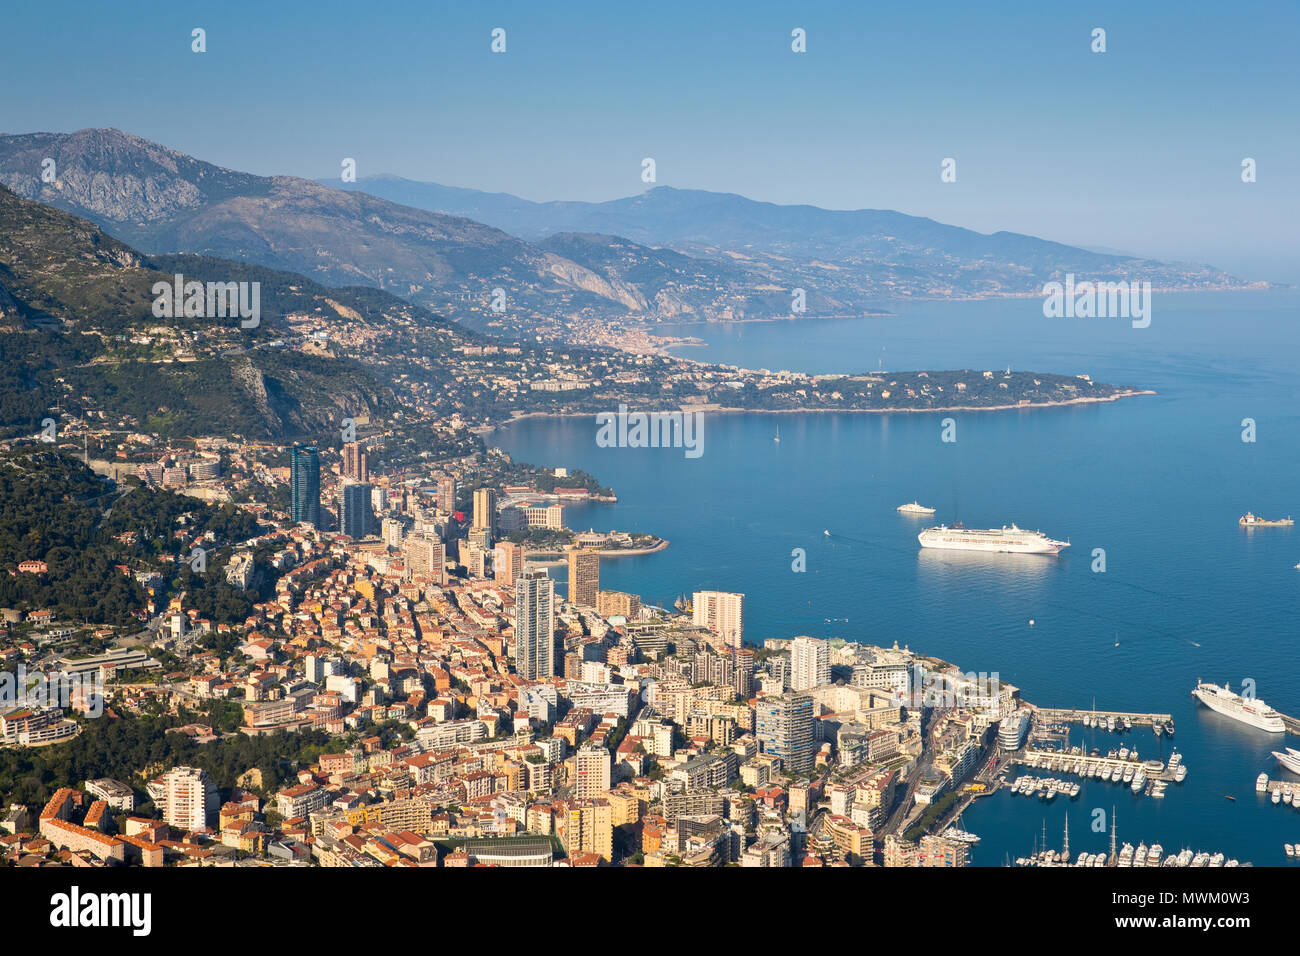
1068	715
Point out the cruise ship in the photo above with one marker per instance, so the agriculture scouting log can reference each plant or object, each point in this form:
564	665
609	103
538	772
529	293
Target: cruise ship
1007	539
915	508
1290	760
1255	712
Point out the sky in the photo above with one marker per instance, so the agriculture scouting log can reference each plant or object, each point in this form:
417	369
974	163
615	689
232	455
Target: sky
1137	149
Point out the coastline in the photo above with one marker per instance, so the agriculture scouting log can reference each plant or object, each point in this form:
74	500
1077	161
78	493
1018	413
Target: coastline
732	410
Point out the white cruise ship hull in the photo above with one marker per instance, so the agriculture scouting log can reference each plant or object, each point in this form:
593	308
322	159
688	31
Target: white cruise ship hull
1006	541
1289	760
1236	711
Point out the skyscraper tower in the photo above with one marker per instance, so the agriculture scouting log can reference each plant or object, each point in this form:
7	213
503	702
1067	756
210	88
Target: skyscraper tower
304	474
810	663
485	508
584	577
784	727
723	613
355	517
447	494
355	464
535	625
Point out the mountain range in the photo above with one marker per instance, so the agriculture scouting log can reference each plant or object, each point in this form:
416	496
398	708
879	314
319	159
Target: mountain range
562	270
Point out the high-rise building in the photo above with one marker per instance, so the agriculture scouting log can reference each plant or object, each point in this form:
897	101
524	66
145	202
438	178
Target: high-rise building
617	603
784	727
592	770
535	625
584	577
355	519
191	798
485	508
425	554
304	475
507	562
355	465
393	531
810	663
722	612
743	672
447	494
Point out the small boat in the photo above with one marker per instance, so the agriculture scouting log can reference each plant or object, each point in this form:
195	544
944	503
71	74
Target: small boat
777	437
1158	728
1228	796
827	532
1290	850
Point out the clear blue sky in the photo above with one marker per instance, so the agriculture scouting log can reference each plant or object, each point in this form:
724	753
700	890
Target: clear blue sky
1136	149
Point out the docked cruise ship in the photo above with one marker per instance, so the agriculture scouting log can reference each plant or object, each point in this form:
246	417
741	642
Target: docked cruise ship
1007	539
1254	711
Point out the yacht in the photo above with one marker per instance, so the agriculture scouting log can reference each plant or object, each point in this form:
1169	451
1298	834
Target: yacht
1277	796
1290	759
915	508
1180	774
1261	782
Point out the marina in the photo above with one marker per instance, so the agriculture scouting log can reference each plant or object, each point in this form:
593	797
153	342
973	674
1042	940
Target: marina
1112	720
1149	777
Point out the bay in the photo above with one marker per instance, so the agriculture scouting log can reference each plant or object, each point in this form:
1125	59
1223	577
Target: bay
1156	482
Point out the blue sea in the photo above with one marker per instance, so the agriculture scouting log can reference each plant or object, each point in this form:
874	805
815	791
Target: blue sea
1156	481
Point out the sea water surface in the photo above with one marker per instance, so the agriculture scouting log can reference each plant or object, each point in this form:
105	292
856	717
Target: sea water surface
1157	482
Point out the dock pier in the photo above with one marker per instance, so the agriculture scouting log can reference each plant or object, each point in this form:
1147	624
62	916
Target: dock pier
1071	715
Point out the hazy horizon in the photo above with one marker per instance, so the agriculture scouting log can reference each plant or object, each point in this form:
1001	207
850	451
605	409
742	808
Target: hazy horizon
1137	148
